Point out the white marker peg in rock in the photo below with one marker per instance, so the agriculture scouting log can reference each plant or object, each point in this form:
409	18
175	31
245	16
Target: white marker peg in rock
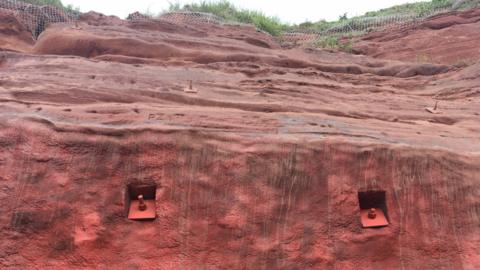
433	110
190	88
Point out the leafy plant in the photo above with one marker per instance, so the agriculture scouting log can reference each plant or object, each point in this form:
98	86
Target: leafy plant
273	25
335	43
343	17
55	3
415	9
419	8
230	12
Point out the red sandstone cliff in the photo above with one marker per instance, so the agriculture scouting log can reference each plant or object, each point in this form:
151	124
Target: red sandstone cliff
258	170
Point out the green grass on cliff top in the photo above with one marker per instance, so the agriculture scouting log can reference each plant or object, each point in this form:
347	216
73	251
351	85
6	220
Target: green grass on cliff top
56	3
274	25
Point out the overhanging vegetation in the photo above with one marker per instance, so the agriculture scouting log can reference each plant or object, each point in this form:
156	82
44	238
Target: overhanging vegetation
275	26
55	3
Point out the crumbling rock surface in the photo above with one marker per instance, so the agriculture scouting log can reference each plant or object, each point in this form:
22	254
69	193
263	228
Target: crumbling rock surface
191	47
14	35
450	39
260	169
33	17
97	19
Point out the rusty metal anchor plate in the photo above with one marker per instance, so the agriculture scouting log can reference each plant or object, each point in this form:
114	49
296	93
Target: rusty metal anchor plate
135	213
378	221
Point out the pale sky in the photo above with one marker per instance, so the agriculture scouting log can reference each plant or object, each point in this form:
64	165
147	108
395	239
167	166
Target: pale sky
296	11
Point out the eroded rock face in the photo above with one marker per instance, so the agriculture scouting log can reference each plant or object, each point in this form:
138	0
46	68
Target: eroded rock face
238	205
14	34
259	169
35	18
445	39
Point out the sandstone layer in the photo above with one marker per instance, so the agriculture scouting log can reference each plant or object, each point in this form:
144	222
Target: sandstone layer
260	169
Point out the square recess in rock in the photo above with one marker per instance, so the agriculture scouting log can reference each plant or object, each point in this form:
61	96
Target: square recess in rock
373	208
140	201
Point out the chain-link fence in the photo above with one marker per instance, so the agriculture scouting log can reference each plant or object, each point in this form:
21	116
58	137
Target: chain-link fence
188	18
191	18
362	25
36	18
349	27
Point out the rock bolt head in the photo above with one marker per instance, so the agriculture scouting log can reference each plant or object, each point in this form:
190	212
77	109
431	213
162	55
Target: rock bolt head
141	203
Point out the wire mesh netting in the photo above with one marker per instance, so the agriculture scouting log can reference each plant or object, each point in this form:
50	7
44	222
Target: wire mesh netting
191	18
188	18
35	17
350	27
362	25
